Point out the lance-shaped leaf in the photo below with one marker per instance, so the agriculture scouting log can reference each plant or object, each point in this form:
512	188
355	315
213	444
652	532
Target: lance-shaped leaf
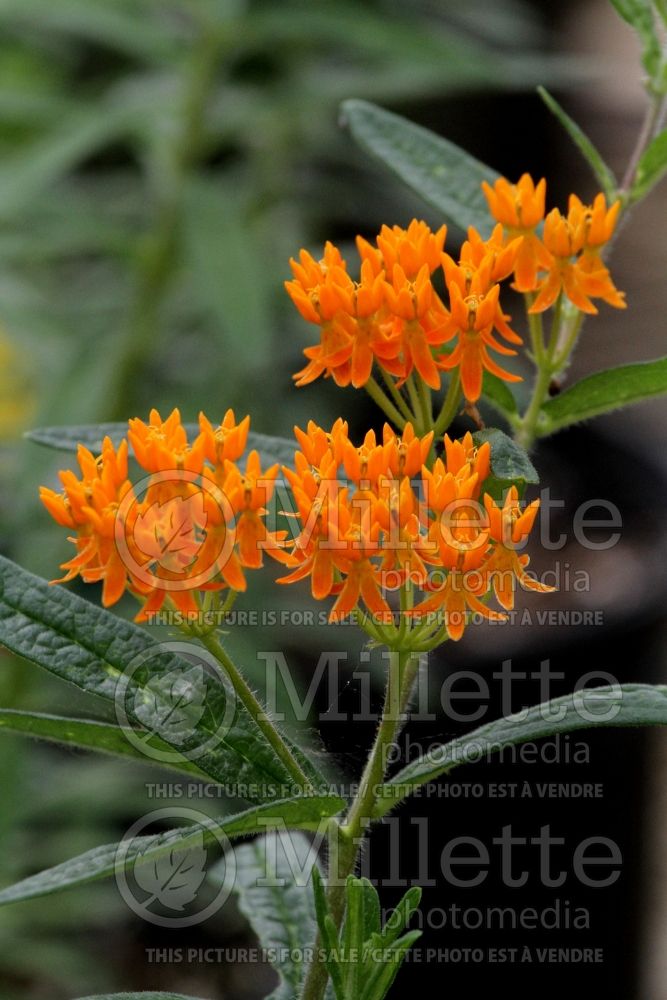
621	705
364	958
302	813
603	392
119	662
593	158
500	396
443	174
271	449
87	734
273	880
639	15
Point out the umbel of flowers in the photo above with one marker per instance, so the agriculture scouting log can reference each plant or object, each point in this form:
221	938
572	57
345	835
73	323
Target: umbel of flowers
399	532
399	540
193	524
392	317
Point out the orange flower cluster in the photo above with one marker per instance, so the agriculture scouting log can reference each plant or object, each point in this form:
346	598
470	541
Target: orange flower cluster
393	316
567	257
372	517
194	522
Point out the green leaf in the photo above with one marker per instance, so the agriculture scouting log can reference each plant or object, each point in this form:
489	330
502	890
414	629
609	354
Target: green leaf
282	916
380	984
329	935
603	392
91	648
602	172
271	449
623	705
639	15
651	167
302	813
440	172
510	464
86	734
500	396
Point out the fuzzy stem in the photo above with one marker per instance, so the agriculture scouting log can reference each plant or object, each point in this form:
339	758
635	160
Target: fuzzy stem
256	710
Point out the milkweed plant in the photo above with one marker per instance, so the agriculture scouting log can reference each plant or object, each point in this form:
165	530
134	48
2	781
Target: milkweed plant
406	535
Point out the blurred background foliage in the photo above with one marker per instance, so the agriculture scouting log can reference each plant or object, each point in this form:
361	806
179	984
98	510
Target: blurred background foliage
160	161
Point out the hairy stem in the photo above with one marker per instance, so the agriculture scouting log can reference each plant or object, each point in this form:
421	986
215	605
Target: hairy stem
345	839
256	710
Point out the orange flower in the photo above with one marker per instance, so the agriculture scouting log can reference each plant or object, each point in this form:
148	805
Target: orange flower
520	209
473	318
419	320
227	441
410	248
162	445
509	526
88	506
579	275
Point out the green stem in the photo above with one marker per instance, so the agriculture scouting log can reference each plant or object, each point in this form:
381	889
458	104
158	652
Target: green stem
415	403
527	429
426	405
385	404
397	397
566	341
535	329
651	119
256	710
450	404
345	839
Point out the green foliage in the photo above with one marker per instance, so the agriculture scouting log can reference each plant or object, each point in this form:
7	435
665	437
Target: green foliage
500	396
651	167
364	958
299	813
623	705
437	170
282	915
640	15
86	734
604	392
601	171
510	465
91	648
